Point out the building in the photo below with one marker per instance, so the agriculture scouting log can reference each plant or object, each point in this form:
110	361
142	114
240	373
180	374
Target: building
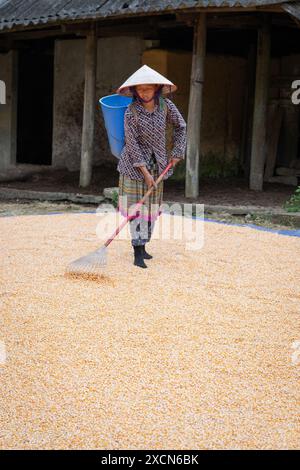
235	63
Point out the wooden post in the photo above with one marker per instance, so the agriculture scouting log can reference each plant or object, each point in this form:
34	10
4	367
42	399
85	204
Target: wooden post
259	131
195	108
88	109
8	111
246	134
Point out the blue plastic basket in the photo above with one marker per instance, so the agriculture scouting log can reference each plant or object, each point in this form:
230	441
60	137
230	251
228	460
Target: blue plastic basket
113	109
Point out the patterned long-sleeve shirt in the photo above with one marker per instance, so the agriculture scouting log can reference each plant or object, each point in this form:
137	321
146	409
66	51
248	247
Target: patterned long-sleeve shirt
146	134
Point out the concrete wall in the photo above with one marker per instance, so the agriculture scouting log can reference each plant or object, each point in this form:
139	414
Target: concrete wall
225	82
223	99
289	143
8	111
224	85
117	58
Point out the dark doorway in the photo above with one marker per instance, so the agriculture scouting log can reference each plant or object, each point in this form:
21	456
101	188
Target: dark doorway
35	103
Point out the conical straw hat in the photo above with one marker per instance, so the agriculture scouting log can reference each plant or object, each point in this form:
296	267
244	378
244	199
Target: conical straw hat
144	76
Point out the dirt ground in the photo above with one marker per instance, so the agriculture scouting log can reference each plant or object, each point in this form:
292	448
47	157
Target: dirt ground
23	207
195	352
233	191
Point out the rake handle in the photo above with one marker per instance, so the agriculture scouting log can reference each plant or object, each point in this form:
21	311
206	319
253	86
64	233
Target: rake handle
138	205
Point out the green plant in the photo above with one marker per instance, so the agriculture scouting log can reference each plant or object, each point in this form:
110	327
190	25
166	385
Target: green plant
217	165
211	165
115	198
293	204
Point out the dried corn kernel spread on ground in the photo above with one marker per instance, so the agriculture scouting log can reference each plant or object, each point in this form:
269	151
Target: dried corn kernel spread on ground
194	352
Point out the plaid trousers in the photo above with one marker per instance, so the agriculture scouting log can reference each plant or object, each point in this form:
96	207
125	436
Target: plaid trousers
141	229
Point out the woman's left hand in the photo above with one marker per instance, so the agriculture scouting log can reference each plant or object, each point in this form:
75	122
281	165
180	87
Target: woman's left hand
175	160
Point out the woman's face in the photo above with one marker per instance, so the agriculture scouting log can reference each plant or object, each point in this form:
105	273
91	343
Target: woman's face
146	91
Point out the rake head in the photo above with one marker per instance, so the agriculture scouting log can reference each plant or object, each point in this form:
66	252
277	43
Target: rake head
90	264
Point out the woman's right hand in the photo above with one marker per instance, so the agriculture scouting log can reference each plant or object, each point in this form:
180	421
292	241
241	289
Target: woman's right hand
150	181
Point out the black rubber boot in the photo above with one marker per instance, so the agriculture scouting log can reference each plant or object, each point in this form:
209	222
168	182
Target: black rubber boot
138	257
145	254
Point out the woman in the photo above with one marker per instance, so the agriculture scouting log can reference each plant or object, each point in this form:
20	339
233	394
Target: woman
144	157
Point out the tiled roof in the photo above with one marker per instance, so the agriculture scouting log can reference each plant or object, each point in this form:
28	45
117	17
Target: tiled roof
37	12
